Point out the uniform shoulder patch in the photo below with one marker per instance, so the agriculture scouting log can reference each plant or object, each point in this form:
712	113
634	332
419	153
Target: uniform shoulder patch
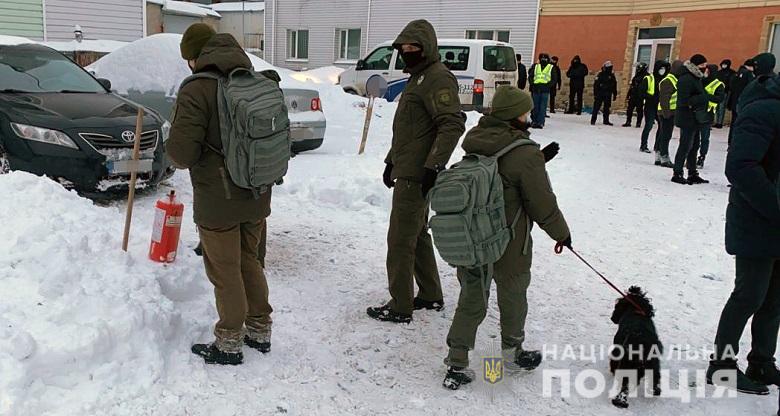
444	97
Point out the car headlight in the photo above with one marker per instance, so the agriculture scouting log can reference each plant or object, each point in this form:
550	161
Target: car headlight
39	134
165	129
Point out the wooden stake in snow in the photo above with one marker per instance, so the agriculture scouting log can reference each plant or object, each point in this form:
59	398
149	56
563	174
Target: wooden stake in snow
134	165
376	86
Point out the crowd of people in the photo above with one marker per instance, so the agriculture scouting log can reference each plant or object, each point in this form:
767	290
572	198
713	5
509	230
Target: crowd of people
426	130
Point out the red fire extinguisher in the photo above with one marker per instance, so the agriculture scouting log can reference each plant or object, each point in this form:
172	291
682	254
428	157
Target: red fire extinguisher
166	230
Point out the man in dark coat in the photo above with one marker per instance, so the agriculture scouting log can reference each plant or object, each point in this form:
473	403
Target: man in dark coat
426	129
753	236
636	97
556	83
522	72
604	92
229	219
691	98
725	73
738	82
577	73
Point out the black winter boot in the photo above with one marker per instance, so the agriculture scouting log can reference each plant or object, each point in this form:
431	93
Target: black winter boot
387	314
263	347
212	355
700	162
764	373
725	373
436	305
679	179
695	179
457	376
528	360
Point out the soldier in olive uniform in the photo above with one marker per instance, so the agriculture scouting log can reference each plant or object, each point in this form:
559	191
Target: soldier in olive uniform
527	188
426	129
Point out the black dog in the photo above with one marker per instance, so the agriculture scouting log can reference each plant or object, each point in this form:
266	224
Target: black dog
637	348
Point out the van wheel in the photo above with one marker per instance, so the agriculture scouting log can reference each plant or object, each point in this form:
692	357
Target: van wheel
5	164
350	91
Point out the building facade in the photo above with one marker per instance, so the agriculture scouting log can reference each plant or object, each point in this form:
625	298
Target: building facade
55	20
630	31
302	34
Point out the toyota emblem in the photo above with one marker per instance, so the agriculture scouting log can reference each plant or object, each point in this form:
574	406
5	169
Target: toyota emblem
128	136
294	105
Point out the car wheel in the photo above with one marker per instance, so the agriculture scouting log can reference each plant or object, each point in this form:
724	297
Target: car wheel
5	165
351	91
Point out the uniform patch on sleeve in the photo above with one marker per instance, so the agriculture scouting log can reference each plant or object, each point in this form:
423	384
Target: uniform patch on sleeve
444	97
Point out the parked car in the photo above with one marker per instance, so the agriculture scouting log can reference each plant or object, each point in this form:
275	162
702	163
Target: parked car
157	58
58	120
479	65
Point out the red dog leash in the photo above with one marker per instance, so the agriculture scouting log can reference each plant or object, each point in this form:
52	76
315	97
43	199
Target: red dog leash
559	249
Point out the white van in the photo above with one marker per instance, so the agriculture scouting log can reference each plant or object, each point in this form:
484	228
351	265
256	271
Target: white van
479	65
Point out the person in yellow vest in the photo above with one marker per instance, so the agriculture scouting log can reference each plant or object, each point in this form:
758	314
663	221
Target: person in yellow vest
667	104
717	89
649	89
541	80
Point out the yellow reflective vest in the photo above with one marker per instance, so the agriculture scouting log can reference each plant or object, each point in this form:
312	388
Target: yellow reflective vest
711	88
672	101
650	84
543	76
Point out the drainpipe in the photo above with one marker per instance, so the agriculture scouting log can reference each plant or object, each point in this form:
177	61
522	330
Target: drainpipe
45	29
273	33
368	29
536	30
143	11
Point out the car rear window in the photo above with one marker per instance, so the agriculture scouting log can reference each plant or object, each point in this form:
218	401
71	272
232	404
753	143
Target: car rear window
32	68
499	58
455	58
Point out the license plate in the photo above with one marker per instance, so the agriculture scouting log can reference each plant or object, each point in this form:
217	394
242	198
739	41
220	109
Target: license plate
500	83
118	167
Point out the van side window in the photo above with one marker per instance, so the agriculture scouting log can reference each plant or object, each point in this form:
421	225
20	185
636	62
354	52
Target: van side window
499	58
379	60
455	58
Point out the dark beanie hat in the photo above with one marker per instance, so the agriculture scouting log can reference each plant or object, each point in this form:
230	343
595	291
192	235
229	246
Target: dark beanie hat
765	64
510	103
698	59
194	39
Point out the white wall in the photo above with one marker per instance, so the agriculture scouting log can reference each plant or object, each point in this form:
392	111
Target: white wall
105	19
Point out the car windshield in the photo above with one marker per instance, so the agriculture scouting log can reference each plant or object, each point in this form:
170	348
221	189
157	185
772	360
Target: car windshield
499	58
33	68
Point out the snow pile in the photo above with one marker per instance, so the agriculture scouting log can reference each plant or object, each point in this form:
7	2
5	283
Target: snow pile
238	6
88	45
189	9
14	40
78	317
324	75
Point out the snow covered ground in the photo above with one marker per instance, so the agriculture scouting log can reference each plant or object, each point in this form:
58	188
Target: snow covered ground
88	329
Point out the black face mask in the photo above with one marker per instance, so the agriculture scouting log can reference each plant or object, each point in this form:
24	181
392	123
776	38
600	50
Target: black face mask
520	125
412	59
544	61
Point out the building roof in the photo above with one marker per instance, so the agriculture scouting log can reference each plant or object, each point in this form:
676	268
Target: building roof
250	6
184	8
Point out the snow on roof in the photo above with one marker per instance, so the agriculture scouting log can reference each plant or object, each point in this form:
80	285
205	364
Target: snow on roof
250	6
89	45
14	40
188	9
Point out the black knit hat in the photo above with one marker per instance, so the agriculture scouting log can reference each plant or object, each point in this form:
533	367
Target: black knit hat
698	59
765	64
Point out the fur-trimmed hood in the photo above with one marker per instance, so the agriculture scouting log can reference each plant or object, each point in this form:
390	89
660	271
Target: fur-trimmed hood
693	69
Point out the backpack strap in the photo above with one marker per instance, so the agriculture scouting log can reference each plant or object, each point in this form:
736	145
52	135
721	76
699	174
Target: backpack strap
511	146
205	75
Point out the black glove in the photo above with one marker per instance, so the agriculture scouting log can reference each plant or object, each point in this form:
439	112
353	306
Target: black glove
567	242
387	176
550	151
428	180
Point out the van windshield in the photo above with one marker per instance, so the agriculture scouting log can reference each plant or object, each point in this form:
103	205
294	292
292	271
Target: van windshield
499	58
33	68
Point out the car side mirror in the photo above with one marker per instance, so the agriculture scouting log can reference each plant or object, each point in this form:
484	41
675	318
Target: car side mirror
361	65
105	83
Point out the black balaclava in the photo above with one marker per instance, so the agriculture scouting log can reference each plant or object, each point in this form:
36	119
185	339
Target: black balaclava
412	59
726	64
544	59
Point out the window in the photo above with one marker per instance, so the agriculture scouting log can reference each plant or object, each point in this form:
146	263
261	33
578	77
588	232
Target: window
37	69
298	44
499	35
349	44
658	33
455	58
379	60
499	58
774	46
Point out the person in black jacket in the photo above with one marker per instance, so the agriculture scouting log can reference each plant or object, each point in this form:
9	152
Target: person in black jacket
651	91
576	74
691	98
604	91
724	75
636	97
522	72
738	82
556	83
753	236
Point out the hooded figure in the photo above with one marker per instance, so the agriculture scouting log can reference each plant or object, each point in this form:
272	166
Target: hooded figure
753	237
522	72
604	92
557	81
739	81
725	74
765	64
636	97
576	73
230	219
692	100
650	91
426	129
